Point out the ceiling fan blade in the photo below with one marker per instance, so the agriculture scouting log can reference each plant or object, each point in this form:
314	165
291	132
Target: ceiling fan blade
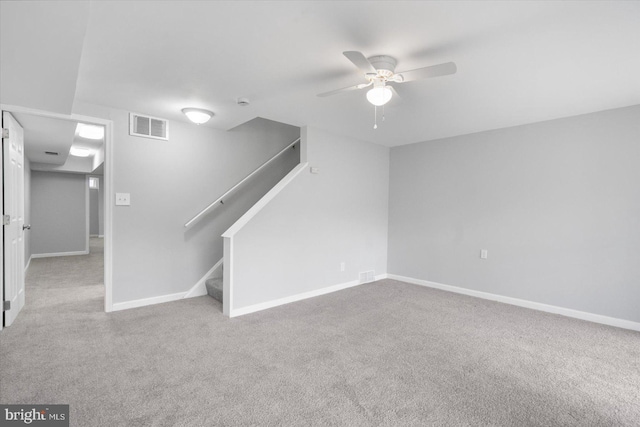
344	89
360	61
427	72
396	95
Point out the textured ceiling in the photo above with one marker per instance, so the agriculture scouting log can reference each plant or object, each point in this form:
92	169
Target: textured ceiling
518	62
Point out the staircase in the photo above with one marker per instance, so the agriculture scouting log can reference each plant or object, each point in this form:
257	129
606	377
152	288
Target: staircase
214	288
214	284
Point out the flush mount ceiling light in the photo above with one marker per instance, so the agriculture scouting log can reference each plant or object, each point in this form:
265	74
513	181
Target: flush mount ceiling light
197	115
90	131
80	152
380	94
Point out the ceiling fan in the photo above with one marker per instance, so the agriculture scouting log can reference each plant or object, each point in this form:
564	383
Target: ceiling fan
379	71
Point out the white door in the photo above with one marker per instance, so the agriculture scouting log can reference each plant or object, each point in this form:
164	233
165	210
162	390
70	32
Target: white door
13	185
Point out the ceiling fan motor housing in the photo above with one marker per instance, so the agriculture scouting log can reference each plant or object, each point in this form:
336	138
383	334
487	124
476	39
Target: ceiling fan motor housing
385	65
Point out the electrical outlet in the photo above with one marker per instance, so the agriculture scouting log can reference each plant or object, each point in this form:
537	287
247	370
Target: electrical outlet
343	266
484	254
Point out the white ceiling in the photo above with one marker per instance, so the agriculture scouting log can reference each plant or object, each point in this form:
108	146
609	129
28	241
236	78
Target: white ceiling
40	48
518	62
56	135
42	134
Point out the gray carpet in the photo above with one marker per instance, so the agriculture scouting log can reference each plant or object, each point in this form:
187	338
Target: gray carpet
386	353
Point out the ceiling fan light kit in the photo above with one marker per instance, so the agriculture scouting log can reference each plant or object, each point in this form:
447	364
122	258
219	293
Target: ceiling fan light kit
379	95
380	70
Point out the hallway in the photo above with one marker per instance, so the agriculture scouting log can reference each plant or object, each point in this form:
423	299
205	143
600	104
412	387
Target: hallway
60	285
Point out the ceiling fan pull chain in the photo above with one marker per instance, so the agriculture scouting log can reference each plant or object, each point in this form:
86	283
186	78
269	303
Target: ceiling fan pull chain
375	117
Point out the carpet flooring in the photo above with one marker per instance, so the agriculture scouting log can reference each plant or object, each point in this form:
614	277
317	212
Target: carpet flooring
381	354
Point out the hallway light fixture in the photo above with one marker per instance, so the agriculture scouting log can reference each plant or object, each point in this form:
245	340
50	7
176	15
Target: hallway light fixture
90	131
80	152
197	115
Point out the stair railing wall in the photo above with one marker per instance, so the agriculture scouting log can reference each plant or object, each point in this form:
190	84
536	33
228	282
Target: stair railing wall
220	200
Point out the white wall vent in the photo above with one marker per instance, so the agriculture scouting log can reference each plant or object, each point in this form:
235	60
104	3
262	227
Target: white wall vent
94	183
367	276
148	127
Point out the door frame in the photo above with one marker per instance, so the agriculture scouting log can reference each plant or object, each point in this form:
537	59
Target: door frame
2	232
109	196
14	191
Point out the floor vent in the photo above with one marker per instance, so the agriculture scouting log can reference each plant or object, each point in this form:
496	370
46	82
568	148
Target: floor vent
367	276
148	127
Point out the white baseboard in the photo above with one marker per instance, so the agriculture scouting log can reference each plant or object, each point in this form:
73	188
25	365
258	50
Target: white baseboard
147	301
234	312
54	254
199	289
582	315
26	267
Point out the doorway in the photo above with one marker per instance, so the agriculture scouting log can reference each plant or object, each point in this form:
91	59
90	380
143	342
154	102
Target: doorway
82	158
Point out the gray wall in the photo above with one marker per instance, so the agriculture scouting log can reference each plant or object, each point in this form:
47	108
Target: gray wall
58	212
94	219
297	242
101	207
27	210
170	182
556	204
96	208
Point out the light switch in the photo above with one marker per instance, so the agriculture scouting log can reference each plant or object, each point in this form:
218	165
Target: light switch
123	199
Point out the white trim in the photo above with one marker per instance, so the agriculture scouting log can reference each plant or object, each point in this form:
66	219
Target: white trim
107	203
2	109
101	236
147	301
380	277
271	194
55	254
292	298
227	277
87	210
199	289
26	267
582	315
108	181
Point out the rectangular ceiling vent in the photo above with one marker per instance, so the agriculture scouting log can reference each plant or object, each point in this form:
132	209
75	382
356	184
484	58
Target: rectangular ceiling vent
148	127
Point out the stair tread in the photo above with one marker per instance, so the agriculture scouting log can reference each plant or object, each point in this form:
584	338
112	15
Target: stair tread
214	287
216	281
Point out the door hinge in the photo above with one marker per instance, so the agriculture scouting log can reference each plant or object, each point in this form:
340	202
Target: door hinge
6	305
6	220
5	133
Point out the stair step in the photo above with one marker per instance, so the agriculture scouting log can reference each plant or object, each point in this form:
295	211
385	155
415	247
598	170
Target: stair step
214	288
